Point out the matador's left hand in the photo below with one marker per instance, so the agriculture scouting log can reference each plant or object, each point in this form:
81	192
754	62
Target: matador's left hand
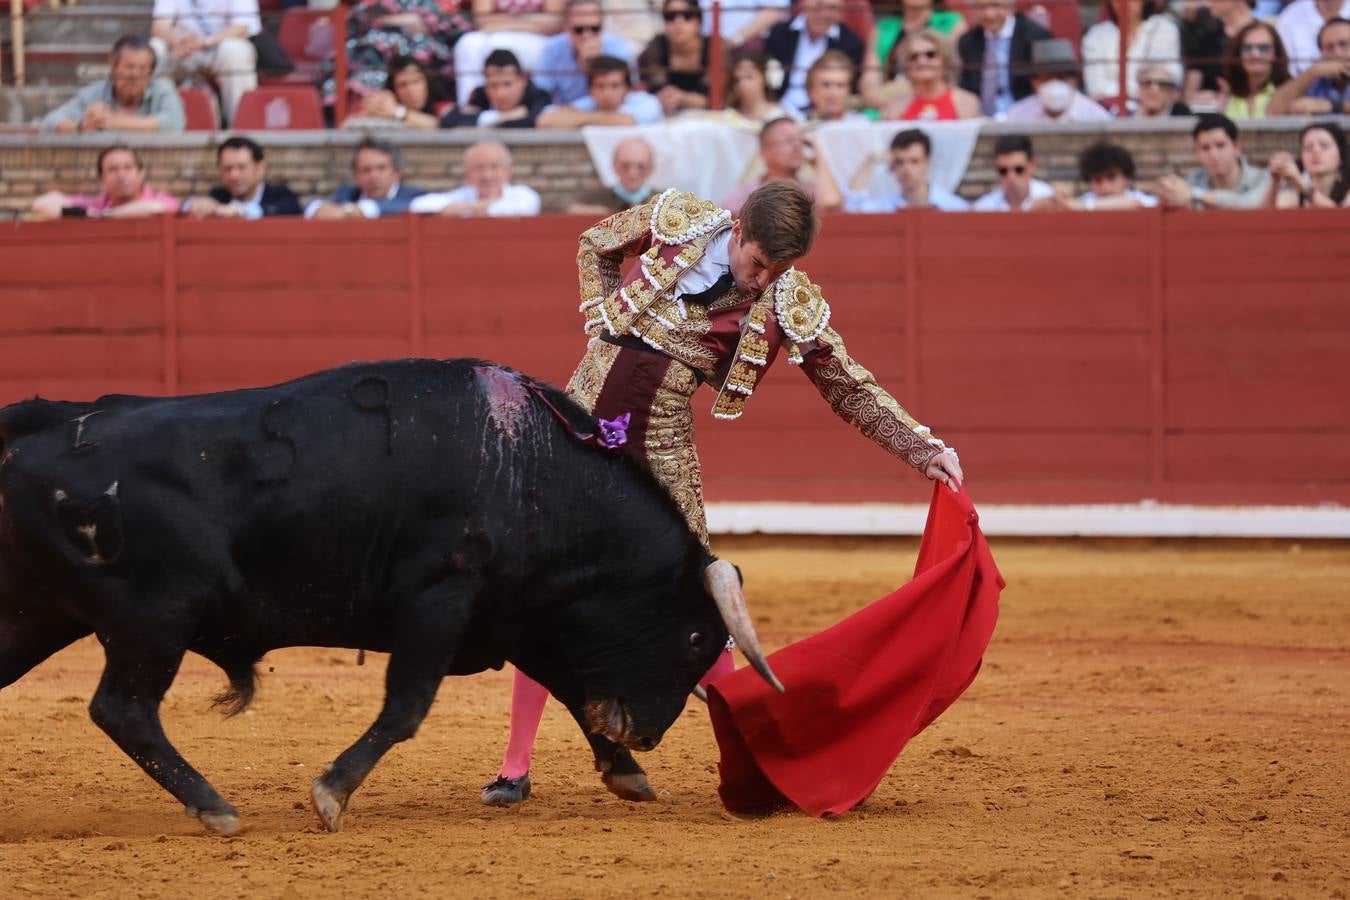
946	468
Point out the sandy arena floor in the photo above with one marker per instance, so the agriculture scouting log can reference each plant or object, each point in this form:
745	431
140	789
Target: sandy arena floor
1152	720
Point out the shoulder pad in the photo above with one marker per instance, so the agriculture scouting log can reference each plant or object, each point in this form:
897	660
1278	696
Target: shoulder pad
802	312
678	217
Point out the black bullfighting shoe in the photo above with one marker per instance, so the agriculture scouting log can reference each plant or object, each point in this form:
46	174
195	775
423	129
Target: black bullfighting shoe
505	791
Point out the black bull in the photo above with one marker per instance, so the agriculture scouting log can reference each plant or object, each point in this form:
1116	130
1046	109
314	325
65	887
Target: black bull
438	511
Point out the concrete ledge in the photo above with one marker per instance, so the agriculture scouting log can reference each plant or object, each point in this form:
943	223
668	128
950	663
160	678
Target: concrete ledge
1106	520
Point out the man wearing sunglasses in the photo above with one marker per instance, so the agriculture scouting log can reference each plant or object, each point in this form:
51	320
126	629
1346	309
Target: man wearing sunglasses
1018	187
567	57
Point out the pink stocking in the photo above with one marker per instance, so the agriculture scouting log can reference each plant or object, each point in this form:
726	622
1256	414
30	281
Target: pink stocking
528	698
725	665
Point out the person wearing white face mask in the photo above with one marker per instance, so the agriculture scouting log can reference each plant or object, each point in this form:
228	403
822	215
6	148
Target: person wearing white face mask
1055	80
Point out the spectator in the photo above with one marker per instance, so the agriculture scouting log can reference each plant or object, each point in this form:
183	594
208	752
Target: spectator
797	44
1019	188
378	31
993	55
1108	171
1054	77
1300	24
378	189
244	192
747	89
1323	87
1223	180
124	193
520	26
130	99
409	100
488	191
566	57
1158	91
1253	68
633	164
506	99
208	38
674	66
1205	43
827	89
928	64
1154	40
610	101
747	23
908	160
782	147
1320	177
887	32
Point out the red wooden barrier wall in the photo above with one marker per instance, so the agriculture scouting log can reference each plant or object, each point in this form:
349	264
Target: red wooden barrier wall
1071	358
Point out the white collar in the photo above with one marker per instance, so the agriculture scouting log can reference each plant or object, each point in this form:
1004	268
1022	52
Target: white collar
1006	32
799	24
718	251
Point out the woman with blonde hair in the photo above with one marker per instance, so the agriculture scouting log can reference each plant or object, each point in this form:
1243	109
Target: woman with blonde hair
929	64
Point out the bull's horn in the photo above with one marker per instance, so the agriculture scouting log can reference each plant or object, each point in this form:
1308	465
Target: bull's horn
724	585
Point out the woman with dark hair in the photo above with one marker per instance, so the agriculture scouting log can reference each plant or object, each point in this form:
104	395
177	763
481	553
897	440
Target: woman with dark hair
747	89
1254	66
409	98
380	30
1154	39
1321	175
674	65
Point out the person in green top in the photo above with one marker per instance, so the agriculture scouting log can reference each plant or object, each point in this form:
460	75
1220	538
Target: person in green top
886	33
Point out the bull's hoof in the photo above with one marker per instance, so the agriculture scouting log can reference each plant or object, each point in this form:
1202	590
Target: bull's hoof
226	823
327	805
629	786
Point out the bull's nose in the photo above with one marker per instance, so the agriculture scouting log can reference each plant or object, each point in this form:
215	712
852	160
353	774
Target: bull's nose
647	743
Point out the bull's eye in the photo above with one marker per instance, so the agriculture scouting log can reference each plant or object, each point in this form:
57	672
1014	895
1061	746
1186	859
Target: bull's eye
696	639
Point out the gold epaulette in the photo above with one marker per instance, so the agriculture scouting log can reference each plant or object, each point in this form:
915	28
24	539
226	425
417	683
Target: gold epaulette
679	216
801	310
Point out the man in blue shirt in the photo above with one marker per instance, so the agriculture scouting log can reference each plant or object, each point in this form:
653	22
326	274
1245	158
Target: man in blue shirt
908	162
609	100
567	56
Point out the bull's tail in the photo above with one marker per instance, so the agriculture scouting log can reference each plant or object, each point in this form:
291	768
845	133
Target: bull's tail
236	698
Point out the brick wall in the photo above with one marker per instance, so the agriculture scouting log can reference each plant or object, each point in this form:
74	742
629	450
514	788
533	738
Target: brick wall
554	163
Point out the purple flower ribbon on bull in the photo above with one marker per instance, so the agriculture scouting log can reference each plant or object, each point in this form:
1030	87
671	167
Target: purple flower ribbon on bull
613	432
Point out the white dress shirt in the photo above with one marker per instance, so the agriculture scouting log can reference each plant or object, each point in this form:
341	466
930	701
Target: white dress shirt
1298	26
994	201
251	208
715	262
516	200
809	50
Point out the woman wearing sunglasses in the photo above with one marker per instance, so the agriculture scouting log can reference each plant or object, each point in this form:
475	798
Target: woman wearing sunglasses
928	63
915	15
674	66
1253	67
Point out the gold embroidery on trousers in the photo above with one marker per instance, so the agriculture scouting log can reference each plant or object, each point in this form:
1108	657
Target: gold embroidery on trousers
671	454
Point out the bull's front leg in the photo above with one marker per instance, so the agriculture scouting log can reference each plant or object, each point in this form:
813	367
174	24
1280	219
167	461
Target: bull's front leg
126	707
619	770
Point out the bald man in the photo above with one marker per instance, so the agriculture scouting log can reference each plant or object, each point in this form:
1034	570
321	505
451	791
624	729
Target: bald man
487	191
633	163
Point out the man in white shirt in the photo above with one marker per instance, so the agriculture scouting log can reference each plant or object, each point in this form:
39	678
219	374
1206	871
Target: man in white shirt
1015	164
908	161
1299	24
488	191
209	37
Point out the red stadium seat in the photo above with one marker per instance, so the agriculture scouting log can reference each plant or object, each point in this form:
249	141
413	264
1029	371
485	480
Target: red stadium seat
199	105
308	38
275	107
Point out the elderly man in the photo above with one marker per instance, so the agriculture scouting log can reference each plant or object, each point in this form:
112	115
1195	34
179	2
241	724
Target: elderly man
1055	80
130	99
243	192
1223	180
782	147
994	55
566	57
610	100
124	194
209	38
633	164
1323	87
797	44
488	190
908	161
377	169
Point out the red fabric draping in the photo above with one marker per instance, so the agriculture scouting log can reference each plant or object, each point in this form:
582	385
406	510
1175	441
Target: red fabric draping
858	691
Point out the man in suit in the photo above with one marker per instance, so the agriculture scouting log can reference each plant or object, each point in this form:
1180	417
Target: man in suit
377	170
796	45
995	56
243	192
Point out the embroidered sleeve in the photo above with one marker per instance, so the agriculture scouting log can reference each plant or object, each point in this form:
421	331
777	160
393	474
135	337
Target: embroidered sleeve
604	247
855	397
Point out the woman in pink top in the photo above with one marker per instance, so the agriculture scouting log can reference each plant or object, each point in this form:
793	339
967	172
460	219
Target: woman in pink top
928	63
125	194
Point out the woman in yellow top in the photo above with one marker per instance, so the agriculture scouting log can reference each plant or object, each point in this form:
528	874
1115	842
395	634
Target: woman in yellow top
1253	67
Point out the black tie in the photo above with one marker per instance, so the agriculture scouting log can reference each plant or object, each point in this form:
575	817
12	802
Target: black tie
718	288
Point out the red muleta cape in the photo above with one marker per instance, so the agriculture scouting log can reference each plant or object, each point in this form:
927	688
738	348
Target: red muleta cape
857	692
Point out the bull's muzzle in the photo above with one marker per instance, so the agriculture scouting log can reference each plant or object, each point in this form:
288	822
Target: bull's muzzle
611	719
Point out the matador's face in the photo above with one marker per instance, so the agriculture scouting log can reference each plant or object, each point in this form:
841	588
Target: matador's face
750	265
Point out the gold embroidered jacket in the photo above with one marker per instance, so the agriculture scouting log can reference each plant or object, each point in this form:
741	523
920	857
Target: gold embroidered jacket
734	340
